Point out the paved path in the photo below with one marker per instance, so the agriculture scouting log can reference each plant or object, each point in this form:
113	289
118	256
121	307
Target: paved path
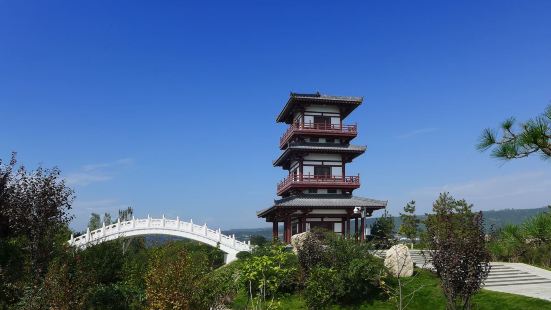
513	278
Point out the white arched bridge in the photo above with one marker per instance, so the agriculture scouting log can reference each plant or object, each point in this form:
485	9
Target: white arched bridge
149	226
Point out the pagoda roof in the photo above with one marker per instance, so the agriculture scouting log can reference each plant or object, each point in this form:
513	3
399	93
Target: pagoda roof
324	201
347	104
353	150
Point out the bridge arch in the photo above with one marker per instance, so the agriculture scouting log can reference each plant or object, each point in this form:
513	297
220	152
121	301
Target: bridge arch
149	226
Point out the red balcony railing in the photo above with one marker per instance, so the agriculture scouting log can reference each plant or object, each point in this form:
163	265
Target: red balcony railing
321	128
317	181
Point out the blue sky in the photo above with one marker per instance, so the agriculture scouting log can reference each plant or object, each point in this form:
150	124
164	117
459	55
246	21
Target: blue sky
170	107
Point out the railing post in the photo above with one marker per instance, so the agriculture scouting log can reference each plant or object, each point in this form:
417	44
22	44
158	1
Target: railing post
233	237
163	221
118	224
88	234
177	222
148	221
219	235
103	230
72	240
133	222
205	229
191	225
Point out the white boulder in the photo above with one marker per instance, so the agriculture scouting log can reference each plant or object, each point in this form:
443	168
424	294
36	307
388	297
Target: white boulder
398	261
297	240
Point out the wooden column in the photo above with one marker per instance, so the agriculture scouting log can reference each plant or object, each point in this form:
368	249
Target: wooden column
285	230
348	226
356	232
363	229
275	228
288	230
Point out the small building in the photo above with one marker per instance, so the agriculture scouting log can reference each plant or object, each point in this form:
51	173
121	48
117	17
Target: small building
316	149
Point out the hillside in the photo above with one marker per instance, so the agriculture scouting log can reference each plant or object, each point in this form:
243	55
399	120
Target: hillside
495	218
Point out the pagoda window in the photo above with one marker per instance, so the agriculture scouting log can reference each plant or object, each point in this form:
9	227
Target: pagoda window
322	122
322	171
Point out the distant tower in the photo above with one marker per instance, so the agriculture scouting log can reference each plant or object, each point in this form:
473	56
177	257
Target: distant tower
316	149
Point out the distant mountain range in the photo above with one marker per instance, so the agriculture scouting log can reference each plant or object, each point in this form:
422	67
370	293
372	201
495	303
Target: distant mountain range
492	218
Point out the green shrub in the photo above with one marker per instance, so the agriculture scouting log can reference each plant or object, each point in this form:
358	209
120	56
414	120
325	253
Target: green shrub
324	287
108	297
243	255
219	287
269	272
528	243
338	270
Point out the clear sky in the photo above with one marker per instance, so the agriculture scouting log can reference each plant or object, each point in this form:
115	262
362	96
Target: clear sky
170	106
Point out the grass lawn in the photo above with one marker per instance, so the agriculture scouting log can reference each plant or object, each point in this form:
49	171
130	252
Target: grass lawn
429	297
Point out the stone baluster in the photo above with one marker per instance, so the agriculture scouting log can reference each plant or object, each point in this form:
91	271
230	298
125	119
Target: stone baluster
87	234
177	222
133	222
163	221
118	224
148	221
103	230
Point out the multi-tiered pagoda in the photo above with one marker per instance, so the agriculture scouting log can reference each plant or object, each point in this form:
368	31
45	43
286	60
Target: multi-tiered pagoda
315	150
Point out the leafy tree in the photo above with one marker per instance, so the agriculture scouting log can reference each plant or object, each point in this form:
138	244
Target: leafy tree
258	240
410	222
458	249
37	206
534	137
94	222
106	260
67	283
126	214
382	231
6	177
174	277
107	219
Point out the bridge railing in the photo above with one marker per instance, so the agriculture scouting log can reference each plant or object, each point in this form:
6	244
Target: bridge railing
163	224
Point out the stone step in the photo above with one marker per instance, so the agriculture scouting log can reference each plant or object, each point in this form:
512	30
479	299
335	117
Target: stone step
543	281
514	276
505	273
518	280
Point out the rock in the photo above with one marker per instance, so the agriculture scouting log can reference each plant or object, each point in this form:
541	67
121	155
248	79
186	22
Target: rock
297	240
398	261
